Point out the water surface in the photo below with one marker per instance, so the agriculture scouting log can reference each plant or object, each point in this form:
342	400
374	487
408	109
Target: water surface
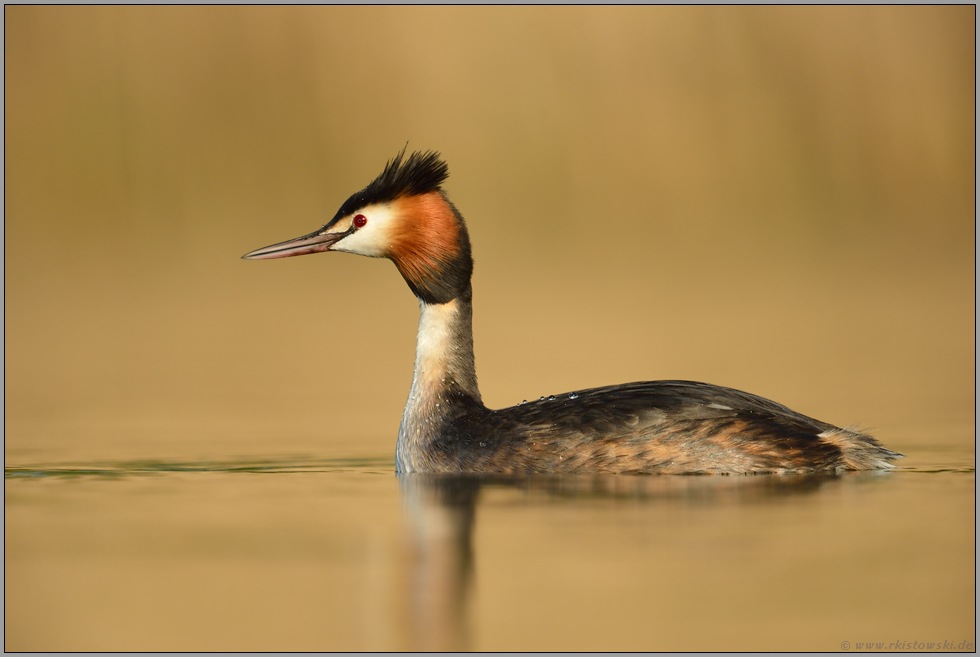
342	554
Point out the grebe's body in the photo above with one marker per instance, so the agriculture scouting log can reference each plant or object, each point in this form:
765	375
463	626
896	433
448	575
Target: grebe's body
668	427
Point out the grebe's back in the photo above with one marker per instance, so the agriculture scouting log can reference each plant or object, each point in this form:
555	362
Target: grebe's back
649	427
668	427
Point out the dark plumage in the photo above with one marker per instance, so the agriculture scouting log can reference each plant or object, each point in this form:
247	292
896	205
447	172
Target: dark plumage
652	427
667	427
419	174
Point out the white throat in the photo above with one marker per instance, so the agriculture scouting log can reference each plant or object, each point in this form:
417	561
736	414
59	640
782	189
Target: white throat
444	371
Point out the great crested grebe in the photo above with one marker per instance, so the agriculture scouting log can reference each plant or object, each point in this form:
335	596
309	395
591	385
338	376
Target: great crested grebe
664	427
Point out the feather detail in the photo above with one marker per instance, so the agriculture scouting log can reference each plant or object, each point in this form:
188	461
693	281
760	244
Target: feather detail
431	248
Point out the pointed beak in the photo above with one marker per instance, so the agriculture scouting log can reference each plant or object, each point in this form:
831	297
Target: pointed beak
315	242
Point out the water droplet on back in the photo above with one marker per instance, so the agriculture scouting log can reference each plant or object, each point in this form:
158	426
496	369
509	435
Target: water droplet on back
572	395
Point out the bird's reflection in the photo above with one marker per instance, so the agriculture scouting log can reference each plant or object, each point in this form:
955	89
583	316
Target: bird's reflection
441	510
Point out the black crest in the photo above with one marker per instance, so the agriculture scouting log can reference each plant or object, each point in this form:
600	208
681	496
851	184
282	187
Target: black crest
420	173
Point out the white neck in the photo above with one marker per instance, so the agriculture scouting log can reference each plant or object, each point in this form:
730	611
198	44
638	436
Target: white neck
444	373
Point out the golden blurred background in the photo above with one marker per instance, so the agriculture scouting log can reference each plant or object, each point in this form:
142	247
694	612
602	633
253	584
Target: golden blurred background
776	199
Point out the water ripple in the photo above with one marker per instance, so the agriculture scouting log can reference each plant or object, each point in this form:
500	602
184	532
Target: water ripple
151	467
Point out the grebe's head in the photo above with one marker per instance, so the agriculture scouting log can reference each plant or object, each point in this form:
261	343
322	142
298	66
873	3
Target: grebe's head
402	215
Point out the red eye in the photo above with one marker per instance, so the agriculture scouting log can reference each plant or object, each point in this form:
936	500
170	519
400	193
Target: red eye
360	220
